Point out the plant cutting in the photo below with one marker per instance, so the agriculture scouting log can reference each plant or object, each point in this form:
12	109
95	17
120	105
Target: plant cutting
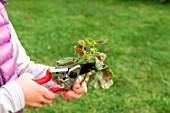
99	75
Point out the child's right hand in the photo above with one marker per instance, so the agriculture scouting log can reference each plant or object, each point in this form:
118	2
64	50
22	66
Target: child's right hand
35	95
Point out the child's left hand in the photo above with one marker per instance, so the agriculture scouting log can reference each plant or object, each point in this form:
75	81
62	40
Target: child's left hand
76	91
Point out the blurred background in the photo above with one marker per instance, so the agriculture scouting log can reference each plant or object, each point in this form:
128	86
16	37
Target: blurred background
138	48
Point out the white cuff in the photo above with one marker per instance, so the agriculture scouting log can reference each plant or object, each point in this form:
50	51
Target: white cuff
17	96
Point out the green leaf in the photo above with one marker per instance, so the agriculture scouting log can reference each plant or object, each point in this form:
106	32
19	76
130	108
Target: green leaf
82	43
106	84
97	81
94	78
89	58
89	43
98	64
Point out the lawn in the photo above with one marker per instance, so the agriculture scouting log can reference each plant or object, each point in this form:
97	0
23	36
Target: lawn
138	49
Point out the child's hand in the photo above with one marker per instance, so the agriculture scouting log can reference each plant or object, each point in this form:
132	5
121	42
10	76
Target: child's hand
35	95
76	91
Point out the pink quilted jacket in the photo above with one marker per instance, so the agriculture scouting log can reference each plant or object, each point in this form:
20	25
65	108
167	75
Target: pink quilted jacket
7	62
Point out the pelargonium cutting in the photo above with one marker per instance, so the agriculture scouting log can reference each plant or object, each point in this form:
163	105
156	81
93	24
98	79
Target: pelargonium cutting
101	76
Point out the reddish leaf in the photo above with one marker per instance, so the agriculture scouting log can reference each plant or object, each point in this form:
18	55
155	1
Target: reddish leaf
68	63
101	41
101	58
107	74
79	50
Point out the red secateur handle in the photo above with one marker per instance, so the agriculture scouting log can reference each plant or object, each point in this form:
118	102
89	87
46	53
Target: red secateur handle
46	79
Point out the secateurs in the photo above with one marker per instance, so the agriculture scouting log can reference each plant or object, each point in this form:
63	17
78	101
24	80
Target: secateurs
64	76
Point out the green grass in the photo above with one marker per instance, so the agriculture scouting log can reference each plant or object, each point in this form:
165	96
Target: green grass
138	49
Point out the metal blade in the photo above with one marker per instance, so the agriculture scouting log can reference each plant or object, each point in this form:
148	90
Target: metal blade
85	68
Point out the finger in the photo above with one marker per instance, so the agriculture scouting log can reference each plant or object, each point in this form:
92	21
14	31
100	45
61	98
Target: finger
67	97
39	105
46	101
62	95
71	95
80	89
47	94
76	84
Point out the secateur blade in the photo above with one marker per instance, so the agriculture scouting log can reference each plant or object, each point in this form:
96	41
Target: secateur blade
64	76
68	75
85	68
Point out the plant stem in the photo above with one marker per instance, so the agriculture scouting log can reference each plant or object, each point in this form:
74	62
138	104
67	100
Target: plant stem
85	77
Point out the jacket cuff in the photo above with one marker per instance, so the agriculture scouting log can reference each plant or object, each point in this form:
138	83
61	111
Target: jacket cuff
16	94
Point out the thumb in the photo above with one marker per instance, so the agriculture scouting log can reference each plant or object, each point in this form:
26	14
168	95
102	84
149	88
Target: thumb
76	84
27	75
